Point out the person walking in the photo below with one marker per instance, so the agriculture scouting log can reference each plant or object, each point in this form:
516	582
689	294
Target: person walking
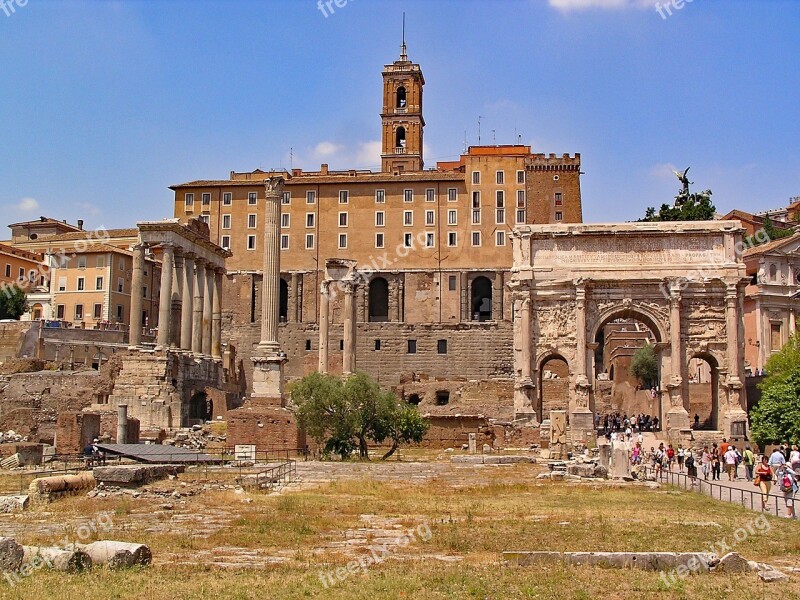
670	457
763	480
794	458
749	463
776	459
705	462
730	462
786	480
715	462
681	457
691	467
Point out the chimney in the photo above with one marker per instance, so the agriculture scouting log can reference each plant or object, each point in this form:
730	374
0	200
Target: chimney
80	224
323	169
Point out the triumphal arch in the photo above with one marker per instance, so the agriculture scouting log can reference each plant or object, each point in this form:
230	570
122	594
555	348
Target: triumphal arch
683	281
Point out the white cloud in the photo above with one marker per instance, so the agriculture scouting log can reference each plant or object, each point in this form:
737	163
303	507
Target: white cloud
369	154
327	149
663	170
88	207
27	205
574	5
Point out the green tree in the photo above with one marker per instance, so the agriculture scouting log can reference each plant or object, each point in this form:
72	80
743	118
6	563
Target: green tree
776	418
13	303
644	365
345	415
687	206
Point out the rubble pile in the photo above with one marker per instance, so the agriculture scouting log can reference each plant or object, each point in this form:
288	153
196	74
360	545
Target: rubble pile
195	438
12	437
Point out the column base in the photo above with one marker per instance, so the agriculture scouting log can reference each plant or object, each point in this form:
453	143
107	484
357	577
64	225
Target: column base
268	379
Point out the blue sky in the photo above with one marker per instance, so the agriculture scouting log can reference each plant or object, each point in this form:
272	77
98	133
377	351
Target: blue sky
106	104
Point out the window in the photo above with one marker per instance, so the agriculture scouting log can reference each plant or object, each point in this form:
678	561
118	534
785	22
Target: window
120	284
226	221
81	262
501	238
379	218
98	284
204	219
310	220
476	178
452	195
100	261
520	198
98	311
120	313
429	240
341	344
251	242
377	344
344	197
251	221
81	284
62	284
32	275
308	345
451	283
430	217
559	199
285	220
311	197
79	312
379	240
452	239
21	273
476	199
342	240
206	199
408	217
775	341
188	201
500	177
476	238
122	263
252	198
380	196
500	216
559	215
309	241
60	311
452	217
500	199
342	219
430	195
8	270
412	346
441	347
521	215
476	217
408	240
226	242
520	177
408	195
284	242
286	198
227	199
144	291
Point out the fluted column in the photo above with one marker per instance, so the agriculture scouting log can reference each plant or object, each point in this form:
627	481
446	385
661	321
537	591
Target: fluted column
208	308
197	302
165	299
137	299
732	327
176	321
216	316
349	355
677	415
270	288
324	317
187	304
581	421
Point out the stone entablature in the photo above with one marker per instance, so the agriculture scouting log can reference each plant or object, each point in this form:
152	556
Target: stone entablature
685	281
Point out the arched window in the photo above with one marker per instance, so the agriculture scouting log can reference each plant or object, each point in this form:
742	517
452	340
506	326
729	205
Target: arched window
200	408
378	300
283	310
773	272
400	138
481	299
401	97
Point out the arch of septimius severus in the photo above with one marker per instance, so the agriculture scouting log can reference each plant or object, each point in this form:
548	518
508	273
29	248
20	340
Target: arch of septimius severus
684	281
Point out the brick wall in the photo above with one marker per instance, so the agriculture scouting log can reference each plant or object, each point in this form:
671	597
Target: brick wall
74	430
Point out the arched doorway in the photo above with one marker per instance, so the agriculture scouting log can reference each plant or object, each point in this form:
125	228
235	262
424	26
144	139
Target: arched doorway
553	393
378	300
283	309
481	303
36	311
703	384
201	408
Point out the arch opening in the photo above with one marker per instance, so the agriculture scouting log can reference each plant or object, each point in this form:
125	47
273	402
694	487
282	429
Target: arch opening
401	97
283	309
201	408
400	138
481	295
553	388
703	386
378	300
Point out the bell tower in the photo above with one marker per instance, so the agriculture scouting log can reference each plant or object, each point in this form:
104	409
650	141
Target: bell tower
401	118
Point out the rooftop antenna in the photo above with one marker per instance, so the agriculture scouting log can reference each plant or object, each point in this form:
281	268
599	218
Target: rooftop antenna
494	138
403	53
465	142
479	130
291	158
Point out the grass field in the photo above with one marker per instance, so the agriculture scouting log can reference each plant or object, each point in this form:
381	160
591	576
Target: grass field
225	544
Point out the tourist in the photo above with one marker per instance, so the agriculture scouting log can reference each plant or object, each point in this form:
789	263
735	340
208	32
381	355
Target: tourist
786	480
655	423
697	421
749	463
794	458
670	457
628	432
776	459
639	438
705	462
723	447
691	467
681	458
597	420
715	462
730	462
763	480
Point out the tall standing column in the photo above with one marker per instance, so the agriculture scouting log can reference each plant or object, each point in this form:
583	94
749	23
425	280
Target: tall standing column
165	299
523	385
208	309
349	355
734	419
324	317
677	416
582	421
216	316
197	302
137	296
732	327
187	304
176	321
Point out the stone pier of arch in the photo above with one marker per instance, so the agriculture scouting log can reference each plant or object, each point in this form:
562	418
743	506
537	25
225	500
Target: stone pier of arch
685	281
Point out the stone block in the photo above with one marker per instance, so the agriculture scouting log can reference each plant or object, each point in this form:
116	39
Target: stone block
134	475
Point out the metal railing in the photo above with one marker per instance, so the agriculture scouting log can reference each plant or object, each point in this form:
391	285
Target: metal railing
271	477
751	499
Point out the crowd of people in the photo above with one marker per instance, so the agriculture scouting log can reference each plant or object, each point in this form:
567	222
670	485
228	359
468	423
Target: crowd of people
616	422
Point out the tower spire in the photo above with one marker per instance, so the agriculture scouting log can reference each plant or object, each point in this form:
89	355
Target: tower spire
403	53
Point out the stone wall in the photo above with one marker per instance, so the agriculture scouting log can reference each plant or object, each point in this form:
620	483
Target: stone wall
269	428
555	395
12	338
74	430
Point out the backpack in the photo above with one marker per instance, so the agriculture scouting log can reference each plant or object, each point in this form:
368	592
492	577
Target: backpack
787	485
690	462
